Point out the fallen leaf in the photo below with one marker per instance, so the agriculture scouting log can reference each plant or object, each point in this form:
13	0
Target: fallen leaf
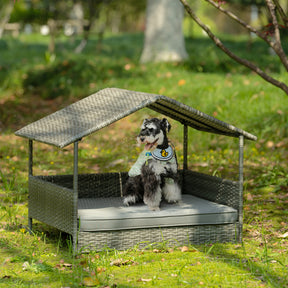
184	249
144	280
285	235
127	67
121	262
270	144
90	281
83	262
15	158
6	277
281	144
168	75
100	269
181	82
249	197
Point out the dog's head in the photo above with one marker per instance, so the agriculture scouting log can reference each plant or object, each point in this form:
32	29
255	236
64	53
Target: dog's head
153	133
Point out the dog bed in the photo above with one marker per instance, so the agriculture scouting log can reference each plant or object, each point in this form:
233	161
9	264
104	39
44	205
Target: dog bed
104	214
88	207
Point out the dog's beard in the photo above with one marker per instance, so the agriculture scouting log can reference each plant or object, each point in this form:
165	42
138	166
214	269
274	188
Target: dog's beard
151	142
149	145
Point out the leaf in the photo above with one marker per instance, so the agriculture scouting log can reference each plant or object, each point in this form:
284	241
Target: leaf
184	249
249	197
90	281
100	270
187	249
285	235
181	82
144	280
121	262
270	144
6	277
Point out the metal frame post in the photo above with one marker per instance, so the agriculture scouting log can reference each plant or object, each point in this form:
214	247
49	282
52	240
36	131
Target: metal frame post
30	173
75	196
241	181
185	147
30	163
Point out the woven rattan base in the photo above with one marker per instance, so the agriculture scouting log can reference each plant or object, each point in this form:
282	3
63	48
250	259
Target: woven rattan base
173	236
52	201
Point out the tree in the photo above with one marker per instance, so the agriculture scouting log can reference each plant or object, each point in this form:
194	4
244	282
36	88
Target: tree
5	15
271	35
164	40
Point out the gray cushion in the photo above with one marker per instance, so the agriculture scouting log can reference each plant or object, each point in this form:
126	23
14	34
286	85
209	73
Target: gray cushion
102	214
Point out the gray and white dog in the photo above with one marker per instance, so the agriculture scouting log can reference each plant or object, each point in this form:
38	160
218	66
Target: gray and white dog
154	174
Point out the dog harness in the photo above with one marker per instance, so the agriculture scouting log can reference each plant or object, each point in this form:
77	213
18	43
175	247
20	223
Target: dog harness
163	155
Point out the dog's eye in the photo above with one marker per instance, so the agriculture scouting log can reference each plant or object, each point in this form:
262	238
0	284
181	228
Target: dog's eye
151	129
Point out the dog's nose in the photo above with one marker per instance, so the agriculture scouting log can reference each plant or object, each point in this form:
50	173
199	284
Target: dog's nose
142	139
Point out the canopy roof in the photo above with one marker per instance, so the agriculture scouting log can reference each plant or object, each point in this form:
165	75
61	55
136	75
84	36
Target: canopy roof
112	104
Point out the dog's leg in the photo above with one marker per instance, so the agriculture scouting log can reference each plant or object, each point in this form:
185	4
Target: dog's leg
152	200
152	190
133	191
171	191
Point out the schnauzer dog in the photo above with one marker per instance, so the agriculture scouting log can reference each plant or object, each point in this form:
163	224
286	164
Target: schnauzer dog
155	172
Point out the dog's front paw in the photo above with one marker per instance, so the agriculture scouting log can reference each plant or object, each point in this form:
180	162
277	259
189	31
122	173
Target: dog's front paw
173	201
127	200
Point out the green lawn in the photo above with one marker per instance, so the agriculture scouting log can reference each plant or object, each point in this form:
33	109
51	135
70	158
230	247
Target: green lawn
33	85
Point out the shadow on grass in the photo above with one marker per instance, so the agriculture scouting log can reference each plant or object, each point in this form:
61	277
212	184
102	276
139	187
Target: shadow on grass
260	269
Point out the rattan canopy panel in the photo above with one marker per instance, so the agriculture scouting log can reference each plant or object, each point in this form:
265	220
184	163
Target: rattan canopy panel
112	104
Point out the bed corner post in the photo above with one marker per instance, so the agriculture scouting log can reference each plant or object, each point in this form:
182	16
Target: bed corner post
241	160
75	197
30	173
185	146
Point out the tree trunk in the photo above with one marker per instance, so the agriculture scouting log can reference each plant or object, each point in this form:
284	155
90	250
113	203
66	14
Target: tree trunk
164	39
6	12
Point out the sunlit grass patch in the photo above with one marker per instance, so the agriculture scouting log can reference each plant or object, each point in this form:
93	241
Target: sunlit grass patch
212	85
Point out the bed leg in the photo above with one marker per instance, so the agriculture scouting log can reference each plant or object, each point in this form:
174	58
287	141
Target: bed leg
30	225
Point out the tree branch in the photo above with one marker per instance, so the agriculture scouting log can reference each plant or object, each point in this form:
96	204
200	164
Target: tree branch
237	19
241	61
281	13
277	47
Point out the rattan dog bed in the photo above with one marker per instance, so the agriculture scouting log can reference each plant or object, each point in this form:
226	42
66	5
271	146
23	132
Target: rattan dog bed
89	206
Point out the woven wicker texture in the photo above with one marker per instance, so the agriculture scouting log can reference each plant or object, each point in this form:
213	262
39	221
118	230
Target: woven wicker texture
143	237
111	104
52	204
51	201
212	188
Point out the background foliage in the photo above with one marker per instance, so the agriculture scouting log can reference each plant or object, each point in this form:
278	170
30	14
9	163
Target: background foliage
35	83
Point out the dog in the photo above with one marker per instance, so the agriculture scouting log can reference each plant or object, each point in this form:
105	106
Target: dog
155	173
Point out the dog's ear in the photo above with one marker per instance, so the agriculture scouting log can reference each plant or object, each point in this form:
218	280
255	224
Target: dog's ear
144	122
165	124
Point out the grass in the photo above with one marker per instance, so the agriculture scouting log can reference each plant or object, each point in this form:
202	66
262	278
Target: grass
34	85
